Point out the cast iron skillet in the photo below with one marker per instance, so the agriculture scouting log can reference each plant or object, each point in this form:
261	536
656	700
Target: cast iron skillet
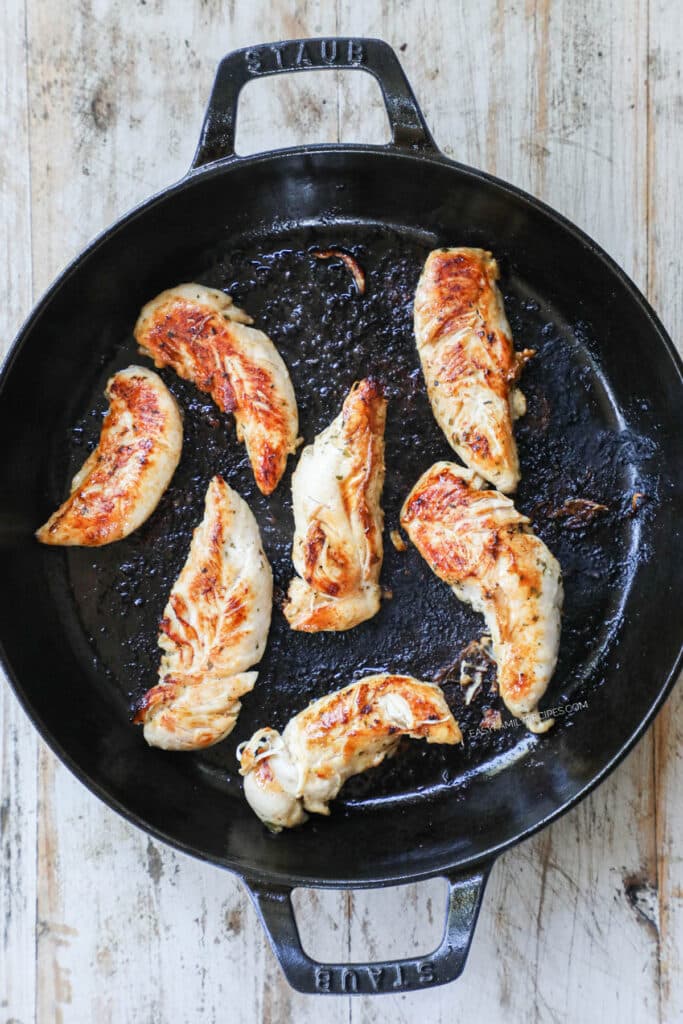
78	627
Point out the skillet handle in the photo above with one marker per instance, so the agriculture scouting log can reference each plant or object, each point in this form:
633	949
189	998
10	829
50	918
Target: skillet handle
446	963
217	140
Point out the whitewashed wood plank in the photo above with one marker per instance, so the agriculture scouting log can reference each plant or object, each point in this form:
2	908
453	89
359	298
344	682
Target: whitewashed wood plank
665	281
109	92
18	743
130	930
552	97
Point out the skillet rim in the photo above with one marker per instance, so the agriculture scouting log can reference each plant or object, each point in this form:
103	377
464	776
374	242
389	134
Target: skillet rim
219	168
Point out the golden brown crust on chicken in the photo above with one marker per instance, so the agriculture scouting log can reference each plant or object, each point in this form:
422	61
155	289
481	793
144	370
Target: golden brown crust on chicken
336	737
470	367
336	491
122	480
214	628
205	338
476	541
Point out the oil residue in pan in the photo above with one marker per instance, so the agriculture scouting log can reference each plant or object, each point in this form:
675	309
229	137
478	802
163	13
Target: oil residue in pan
571	444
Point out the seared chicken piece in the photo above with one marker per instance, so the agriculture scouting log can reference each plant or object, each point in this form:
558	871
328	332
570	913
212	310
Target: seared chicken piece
476	541
468	361
205	338
334	738
121	482
336	491
214	628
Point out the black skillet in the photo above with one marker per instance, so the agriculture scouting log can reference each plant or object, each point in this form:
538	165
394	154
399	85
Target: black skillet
78	627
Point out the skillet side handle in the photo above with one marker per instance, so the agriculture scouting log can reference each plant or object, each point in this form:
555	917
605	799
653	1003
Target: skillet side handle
217	140
444	964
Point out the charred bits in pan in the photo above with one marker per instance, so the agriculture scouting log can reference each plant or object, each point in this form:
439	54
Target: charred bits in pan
349	262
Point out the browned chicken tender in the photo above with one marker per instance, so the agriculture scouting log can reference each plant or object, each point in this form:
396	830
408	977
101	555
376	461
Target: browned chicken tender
122	480
206	339
469	363
476	541
336	737
215	627
338	518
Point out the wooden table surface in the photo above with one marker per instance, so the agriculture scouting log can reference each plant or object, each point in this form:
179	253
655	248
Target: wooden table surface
577	101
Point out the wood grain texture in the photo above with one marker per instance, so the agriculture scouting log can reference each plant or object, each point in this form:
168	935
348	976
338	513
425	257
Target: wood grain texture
578	103
665	286
18	741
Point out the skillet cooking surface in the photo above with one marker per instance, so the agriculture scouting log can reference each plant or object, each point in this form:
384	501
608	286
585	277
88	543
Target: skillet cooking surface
80	650
573	442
